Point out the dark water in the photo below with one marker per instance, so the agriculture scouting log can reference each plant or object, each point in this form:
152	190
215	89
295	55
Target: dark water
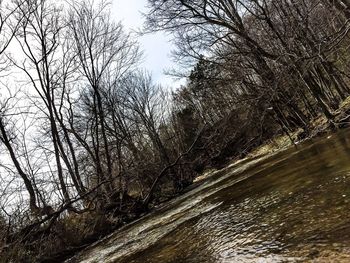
292	206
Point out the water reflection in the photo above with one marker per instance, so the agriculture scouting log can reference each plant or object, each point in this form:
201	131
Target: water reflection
291	207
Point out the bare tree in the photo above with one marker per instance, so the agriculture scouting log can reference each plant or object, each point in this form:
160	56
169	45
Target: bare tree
105	53
10	22
39	39
144	99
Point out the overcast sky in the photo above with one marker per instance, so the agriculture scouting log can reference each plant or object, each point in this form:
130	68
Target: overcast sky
156	46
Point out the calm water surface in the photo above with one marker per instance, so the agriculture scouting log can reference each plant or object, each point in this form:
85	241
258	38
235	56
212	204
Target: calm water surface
293	206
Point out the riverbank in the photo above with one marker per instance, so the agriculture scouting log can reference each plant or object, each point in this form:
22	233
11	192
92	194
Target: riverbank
289	206
319	126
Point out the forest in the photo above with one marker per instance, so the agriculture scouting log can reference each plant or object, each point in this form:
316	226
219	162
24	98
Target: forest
89	142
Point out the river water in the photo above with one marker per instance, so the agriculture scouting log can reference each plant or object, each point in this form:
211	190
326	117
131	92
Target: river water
291	206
